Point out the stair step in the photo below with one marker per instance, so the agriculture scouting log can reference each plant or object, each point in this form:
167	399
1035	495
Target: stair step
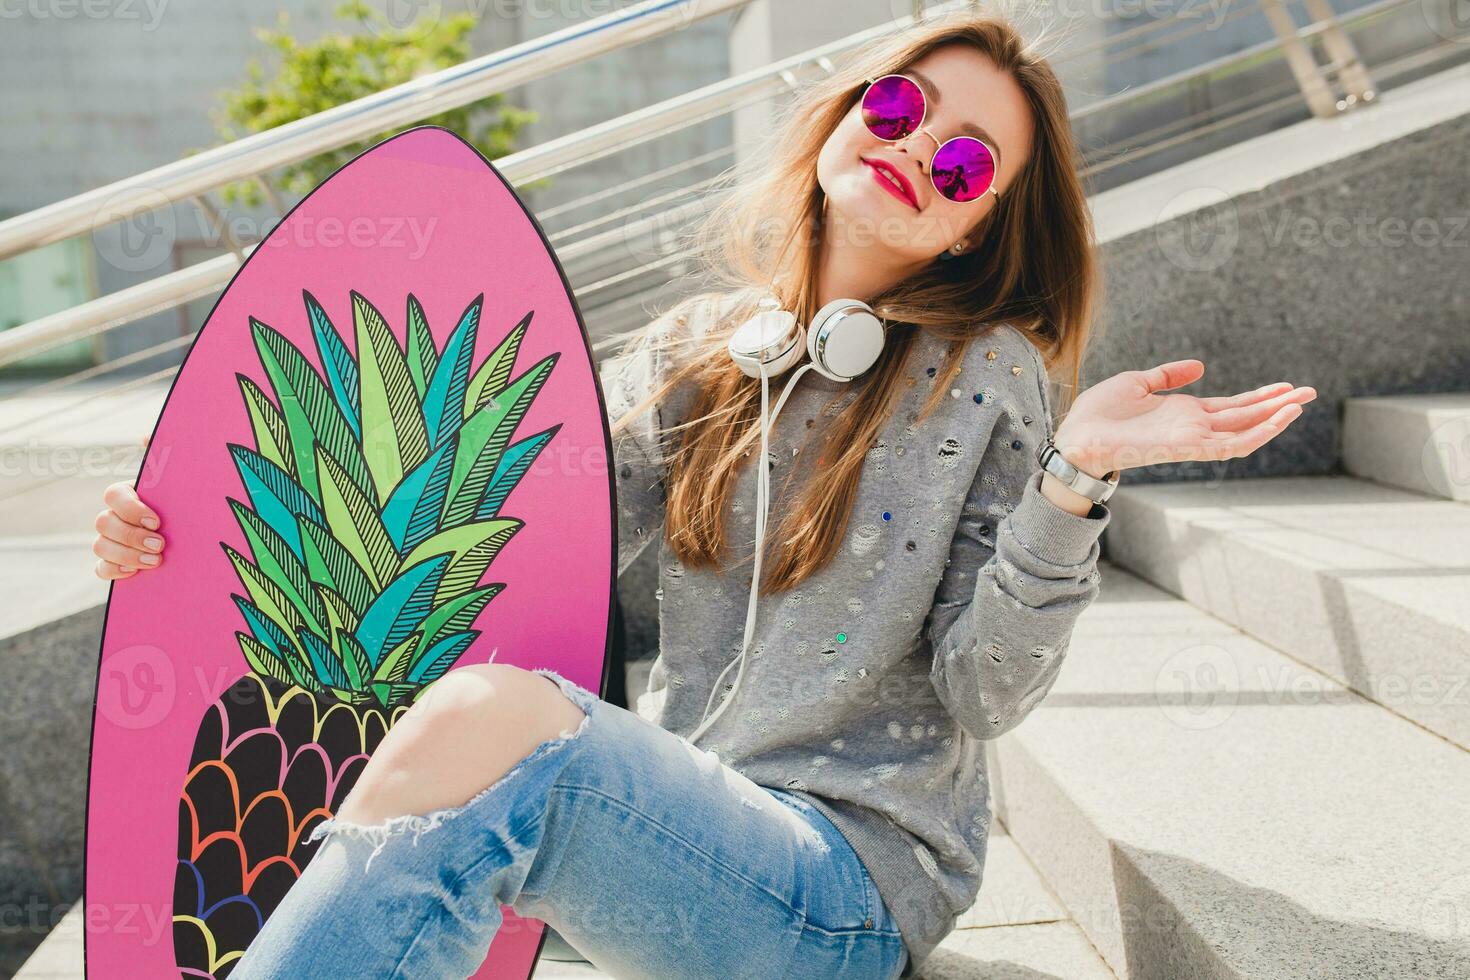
1417	442
1016	926
59	957
61	450
1207	807
47	525
1011	892
1366	583
1016	920
1025	952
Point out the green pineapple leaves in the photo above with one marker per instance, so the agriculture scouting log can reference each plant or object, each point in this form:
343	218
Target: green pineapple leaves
484	438
374	492
393	435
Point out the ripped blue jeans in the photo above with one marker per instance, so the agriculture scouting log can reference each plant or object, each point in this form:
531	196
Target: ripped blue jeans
650	856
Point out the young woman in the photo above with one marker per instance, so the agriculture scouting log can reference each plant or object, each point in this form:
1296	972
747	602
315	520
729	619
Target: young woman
820	810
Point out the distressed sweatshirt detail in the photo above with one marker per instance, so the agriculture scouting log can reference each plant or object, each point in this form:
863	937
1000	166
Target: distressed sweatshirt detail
871	688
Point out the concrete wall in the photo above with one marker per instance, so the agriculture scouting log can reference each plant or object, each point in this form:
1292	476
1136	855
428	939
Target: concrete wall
46	728
1333	254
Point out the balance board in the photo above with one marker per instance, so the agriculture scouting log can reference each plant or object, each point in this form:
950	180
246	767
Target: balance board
385	457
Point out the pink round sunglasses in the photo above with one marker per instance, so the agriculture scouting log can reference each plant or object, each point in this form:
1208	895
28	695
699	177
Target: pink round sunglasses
962	169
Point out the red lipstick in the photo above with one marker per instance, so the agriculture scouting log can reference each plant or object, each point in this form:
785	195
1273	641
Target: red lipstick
882	171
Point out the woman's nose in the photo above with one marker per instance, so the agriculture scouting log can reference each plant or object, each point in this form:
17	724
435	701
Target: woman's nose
917	150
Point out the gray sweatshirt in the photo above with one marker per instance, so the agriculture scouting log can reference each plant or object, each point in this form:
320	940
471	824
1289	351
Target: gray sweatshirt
942	622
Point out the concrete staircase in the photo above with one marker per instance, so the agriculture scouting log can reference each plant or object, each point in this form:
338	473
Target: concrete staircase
1017	930
57	453
1255	763
50	639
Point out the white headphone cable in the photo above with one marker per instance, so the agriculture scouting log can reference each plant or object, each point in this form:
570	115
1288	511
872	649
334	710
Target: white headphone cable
763	495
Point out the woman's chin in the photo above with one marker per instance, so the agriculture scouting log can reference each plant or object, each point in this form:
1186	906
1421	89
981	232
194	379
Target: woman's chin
864	201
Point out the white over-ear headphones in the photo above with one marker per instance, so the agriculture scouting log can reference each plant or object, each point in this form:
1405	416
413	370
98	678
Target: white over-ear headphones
844	341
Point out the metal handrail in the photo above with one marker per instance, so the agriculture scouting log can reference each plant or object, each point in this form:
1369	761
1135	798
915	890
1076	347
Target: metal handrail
345	124
175	288
523	166
548	214
118	308
418	99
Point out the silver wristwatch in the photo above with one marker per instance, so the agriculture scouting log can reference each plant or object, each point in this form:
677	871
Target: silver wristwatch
1089	486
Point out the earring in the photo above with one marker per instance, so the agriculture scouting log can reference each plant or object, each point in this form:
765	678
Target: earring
952	252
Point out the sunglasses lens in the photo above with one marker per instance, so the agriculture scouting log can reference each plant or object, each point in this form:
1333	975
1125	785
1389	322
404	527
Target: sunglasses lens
963	169
893	107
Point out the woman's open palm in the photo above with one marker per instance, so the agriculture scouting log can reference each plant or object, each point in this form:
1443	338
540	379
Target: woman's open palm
1129	420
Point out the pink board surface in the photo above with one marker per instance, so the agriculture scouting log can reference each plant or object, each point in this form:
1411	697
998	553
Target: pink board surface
293	436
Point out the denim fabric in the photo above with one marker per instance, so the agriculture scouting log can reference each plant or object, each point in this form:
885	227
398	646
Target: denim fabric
647	854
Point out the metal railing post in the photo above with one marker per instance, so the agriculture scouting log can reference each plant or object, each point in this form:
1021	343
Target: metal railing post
1344	54
1315	80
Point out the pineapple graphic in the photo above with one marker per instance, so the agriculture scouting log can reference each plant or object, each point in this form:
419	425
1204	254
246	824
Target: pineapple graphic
373	498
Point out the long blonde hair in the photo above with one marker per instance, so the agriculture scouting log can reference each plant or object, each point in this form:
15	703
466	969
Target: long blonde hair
1031	265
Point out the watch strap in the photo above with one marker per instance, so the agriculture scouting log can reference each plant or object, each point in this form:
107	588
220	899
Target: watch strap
1094	489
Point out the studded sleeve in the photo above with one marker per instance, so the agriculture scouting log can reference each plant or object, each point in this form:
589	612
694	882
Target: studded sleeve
1019	575
639	461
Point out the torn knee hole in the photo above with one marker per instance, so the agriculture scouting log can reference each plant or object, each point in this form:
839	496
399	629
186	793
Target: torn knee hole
379	834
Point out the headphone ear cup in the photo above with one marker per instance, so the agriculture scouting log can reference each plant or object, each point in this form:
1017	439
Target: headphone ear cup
773	338
845	339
